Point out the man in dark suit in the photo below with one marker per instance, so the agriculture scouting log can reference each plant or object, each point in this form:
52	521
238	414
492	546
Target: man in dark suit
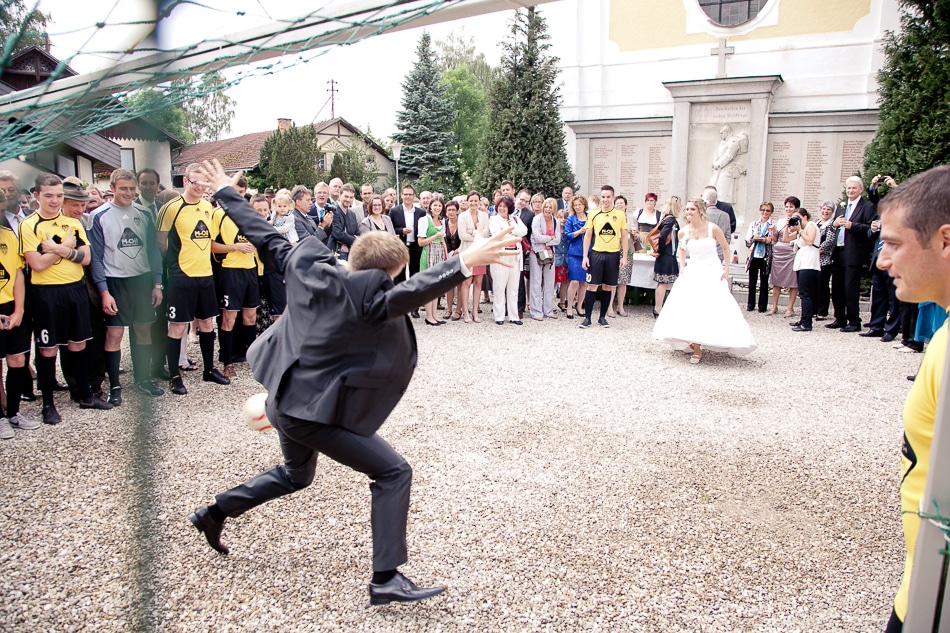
405	219
523	209
885	320
346	227
711	196
331	398
852	253
564	202
304	223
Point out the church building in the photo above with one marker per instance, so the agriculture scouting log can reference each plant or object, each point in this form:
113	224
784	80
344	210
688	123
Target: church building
763	98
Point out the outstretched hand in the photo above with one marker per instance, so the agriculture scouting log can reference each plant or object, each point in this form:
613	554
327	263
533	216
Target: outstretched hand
216	177
492	251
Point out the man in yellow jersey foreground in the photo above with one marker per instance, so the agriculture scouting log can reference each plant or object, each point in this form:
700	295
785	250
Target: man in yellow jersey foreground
915	230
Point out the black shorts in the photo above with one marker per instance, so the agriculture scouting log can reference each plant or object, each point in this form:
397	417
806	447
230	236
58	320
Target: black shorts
191	298
17	340
603	269
60	314
275	291
133	298
239	289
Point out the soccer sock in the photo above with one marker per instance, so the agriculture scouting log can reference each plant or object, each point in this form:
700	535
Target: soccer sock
604	304
589	299
206	341
172	352
17	377
79	366
379	577
140	361
226	342
250	335
46	377
112	367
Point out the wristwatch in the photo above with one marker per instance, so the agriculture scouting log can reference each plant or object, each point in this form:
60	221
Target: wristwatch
158	287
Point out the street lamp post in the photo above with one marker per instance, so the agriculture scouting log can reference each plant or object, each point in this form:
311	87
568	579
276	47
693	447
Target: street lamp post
397	150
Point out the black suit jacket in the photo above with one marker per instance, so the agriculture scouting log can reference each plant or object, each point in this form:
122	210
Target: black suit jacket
857	241
346	228
728	210
398	215
344	350
307	225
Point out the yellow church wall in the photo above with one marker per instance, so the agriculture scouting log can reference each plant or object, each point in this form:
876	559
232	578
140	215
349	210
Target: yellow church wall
647	24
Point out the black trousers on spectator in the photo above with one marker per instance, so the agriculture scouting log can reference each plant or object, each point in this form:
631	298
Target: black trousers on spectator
909	312
522	294
807	290
759	273
823	300
845	290
415	256
885	315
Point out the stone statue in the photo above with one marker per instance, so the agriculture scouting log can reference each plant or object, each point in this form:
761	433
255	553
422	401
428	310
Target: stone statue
726	166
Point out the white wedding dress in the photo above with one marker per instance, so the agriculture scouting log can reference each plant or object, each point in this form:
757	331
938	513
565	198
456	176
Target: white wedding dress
700	308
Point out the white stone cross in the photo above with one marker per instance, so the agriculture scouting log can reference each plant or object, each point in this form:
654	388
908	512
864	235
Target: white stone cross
721	51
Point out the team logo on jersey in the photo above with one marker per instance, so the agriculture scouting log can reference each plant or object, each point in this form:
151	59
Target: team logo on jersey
907	452
137	220
201	235
130	244
4	277
240	238
607	231
3	249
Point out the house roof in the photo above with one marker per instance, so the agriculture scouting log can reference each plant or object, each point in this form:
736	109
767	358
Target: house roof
243	152
240	152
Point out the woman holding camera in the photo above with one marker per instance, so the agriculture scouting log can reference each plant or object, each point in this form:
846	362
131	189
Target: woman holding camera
783	260
805	236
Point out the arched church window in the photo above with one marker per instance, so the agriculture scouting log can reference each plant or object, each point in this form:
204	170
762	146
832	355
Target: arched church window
731	12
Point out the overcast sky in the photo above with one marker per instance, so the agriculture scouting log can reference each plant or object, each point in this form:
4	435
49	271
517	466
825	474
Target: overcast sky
369	73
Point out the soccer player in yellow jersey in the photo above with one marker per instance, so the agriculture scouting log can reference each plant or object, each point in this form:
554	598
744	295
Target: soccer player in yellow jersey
185	231
56	248
605	253
14	335
915	229
239	286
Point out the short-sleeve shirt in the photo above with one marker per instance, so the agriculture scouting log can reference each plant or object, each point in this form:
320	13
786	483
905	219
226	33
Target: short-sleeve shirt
10	262
190	231
229	234
33	231
920	411
607	227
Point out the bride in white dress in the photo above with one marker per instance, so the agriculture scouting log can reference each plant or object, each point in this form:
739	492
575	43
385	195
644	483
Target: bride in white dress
700	312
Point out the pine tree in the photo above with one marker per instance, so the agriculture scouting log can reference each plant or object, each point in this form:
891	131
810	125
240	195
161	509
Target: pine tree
429	154
525	139
915	105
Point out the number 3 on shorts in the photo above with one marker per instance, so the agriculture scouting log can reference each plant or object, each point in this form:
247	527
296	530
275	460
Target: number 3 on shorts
171	312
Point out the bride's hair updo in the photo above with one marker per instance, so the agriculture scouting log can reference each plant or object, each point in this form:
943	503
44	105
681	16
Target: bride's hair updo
701	205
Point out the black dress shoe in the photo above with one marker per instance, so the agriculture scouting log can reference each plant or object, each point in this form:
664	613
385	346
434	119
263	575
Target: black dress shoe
177	386
415	314
203	522
887	338
518	322
28	397
795	324
93	402
749	308
834	325
213	375
801	328
115	396
851	328
499	322
872	333
399	589
58	386
51	415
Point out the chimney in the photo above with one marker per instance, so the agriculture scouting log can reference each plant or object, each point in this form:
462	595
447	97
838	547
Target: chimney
284	124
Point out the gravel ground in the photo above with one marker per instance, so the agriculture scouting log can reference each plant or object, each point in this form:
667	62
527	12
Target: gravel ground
564	480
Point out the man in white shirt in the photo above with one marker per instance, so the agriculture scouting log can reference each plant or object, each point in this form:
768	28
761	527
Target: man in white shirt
10	185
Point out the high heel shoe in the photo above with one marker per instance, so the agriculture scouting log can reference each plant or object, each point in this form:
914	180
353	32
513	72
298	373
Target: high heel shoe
655	313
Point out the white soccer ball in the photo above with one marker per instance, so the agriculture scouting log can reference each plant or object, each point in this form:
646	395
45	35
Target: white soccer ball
255	414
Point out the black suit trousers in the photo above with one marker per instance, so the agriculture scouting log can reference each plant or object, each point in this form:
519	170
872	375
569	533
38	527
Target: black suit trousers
845	290
758	276
300	442
885	315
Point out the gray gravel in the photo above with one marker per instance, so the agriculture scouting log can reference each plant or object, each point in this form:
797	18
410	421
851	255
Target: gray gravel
564	480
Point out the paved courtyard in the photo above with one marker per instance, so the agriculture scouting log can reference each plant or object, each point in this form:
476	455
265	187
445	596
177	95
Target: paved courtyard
564	480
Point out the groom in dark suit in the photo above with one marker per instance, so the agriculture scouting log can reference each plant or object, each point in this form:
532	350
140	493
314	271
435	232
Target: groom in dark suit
335	366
